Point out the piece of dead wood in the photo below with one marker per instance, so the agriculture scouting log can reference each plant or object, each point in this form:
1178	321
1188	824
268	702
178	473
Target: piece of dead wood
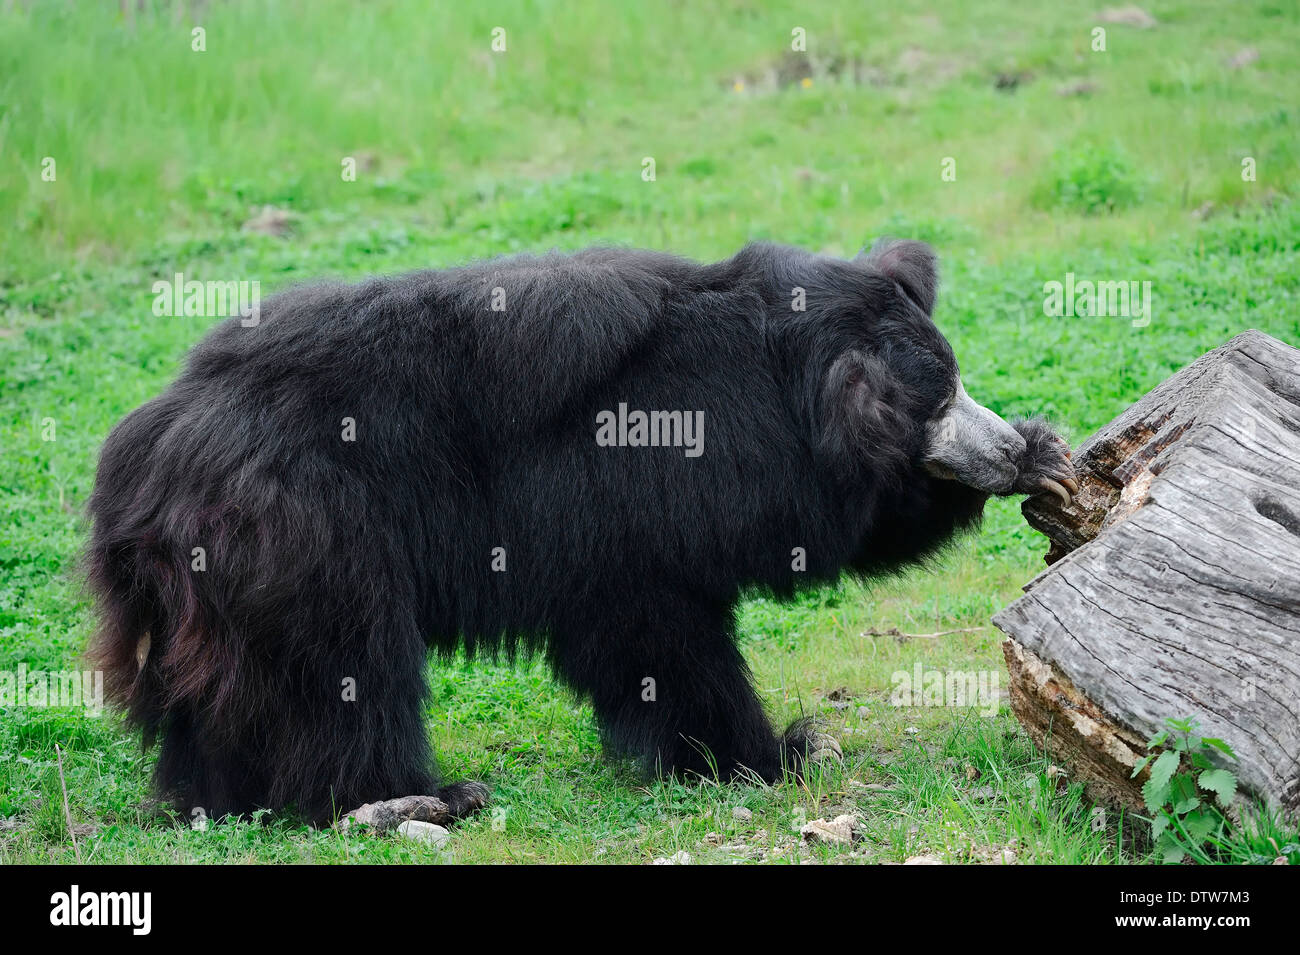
902	637
1173	589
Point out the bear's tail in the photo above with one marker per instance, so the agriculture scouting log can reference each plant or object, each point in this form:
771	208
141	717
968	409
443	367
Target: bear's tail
143	591
136	596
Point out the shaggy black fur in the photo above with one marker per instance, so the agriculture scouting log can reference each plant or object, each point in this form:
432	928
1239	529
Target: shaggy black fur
330	560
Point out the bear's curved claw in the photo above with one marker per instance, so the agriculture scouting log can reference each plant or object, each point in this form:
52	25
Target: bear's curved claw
1058	488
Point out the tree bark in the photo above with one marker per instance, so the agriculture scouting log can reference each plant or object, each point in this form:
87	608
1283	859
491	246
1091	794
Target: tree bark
1173	585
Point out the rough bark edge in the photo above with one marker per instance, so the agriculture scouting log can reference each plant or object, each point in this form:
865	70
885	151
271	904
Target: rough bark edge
1126	449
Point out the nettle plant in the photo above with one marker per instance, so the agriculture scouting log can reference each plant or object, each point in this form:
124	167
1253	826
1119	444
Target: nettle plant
1183	788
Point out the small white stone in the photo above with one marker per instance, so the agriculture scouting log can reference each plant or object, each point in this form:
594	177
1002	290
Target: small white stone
741	814
677	858
428	832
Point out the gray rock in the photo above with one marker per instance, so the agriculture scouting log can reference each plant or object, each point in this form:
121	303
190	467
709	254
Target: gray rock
841	830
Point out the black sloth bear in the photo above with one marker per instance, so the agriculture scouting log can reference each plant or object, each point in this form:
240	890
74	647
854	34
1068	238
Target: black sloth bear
589	456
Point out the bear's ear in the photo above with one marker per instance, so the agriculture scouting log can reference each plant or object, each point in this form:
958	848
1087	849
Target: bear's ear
913	265
865	418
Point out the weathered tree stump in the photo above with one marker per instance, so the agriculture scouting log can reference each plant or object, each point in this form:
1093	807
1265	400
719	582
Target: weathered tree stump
1173	585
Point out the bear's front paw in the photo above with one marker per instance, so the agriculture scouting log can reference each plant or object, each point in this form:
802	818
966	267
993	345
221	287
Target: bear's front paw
804	745
1044	467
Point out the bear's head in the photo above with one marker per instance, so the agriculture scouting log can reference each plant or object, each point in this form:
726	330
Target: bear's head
960	439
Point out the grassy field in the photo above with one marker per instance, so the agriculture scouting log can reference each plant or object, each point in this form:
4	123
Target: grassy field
1124	164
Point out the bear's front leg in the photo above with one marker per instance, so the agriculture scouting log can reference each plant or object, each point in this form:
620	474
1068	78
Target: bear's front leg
674	692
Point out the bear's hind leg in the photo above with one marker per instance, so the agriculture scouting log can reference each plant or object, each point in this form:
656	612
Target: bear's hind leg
378	749
328	713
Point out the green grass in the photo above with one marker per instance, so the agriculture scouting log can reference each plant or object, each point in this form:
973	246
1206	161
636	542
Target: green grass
162	154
